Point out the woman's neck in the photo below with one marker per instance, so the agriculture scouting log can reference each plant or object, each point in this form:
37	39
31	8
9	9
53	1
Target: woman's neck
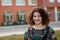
39	26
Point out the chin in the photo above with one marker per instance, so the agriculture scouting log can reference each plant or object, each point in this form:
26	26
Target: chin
37	23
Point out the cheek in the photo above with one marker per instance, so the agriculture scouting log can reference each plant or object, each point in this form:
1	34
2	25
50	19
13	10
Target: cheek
33	18
40	18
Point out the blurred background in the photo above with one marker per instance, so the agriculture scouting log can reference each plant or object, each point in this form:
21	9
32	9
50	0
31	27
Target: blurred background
14	13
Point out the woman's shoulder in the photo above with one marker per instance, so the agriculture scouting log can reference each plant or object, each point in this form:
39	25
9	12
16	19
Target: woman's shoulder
50	29
29	29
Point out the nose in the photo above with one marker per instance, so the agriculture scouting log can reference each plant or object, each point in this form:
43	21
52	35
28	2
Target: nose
36	17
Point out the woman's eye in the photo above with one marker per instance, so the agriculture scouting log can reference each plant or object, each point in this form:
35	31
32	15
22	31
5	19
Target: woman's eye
39	16
34	16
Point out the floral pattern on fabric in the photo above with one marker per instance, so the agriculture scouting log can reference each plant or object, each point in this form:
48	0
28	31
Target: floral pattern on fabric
45	34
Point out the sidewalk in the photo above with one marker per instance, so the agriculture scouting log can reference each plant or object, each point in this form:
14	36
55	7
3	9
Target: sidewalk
10	30
55	25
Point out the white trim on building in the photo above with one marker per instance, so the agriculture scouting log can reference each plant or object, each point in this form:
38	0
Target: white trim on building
56	16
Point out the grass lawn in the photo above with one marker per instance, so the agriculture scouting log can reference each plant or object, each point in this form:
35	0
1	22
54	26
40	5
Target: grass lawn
58	34
20	37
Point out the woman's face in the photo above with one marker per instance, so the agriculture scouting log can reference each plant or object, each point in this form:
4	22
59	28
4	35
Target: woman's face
37	18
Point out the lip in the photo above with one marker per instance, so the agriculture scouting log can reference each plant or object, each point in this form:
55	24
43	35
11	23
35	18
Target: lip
37	20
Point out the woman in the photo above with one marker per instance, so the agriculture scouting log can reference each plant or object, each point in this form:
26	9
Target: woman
39	29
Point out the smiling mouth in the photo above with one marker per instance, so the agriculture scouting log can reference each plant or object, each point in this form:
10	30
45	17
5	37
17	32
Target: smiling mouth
37	20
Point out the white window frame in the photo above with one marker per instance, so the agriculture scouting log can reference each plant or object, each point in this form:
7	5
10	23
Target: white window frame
20	2
8	14
30	3
58	1
6	2
22	15
52	1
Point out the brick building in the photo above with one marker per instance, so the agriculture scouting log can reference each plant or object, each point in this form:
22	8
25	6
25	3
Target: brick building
16	11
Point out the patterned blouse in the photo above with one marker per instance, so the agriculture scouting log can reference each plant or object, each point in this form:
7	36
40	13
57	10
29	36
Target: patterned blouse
44	34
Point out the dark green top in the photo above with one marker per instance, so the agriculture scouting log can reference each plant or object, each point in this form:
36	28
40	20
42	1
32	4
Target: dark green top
44	34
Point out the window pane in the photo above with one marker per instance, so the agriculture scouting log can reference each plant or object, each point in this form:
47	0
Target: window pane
8	16
32	2
6	2
21	15
51	0
58	14
58	0
20	2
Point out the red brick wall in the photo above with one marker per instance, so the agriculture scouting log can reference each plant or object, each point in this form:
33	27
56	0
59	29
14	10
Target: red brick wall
14	9
28	8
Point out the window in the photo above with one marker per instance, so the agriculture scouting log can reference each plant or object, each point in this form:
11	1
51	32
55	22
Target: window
58	1
20	2
33	2
6	2
21	17
51	1
8	18
58	14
